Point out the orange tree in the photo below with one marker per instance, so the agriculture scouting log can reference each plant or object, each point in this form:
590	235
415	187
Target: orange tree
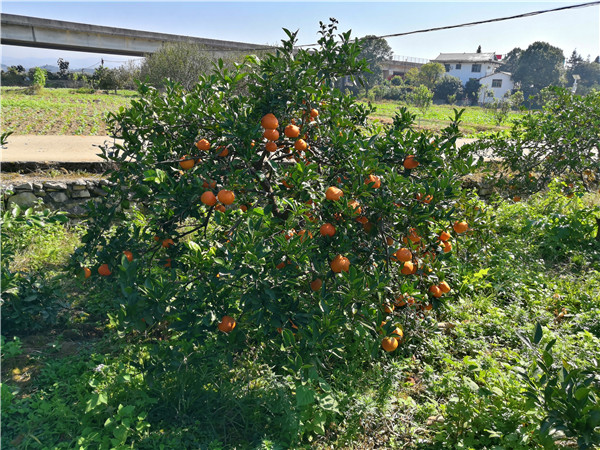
261	210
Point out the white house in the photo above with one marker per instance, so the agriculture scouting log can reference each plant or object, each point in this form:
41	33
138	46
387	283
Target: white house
469	65
495	86
482	67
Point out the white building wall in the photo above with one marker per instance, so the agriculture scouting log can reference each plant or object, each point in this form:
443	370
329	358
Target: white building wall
498	92
465	72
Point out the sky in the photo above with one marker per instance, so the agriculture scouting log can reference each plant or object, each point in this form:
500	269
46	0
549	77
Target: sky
262	23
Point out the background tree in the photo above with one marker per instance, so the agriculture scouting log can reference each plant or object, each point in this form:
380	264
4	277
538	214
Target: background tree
430	74
479	49
511	60
589	73
448	86
375	51
471	90
539	66
180	62
63	67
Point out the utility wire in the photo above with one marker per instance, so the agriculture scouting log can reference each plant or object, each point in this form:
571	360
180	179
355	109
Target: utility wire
449	27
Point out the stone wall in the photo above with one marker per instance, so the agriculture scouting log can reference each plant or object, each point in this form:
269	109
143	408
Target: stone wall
69	196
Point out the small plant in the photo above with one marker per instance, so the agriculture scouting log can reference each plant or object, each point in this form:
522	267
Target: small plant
569	397
39	80
422	98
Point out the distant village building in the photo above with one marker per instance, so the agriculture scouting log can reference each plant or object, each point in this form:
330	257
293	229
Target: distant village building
479	66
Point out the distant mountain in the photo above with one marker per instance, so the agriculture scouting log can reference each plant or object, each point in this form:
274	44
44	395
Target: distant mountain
50	68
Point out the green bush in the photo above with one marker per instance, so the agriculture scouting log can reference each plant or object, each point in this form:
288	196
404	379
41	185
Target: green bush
195	263
559	141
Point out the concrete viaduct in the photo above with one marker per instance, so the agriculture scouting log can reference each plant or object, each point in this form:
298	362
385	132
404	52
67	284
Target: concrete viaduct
28	31
36	32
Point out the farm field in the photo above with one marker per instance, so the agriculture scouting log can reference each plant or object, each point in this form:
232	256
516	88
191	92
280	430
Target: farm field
475	119
64	112
59	111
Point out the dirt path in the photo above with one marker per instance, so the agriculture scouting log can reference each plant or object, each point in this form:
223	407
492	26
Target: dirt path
35	148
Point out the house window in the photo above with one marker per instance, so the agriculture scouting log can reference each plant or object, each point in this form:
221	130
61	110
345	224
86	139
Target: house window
447	66
458	66
496	83
476	68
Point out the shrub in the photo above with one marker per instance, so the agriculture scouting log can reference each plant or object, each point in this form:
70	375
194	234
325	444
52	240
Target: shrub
421	97
448	86
258	273
560	140
39	80
179	62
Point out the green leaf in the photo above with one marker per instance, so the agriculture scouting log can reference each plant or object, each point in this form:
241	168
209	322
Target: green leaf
305	395
537	336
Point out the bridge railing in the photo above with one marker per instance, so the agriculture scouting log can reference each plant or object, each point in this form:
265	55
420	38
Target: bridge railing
409	59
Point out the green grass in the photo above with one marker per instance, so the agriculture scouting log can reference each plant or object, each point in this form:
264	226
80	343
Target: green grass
453	383
65	112
475	119
59	111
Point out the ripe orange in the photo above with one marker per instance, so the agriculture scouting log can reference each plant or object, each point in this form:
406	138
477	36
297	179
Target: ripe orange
156	238
327	230
128	255
389	241
269	122
333	193
444	287
368	226
226	197
281	265
388	308
427	198
403	254
436	291
104	270
271	134
316	284
167	243
220	208
362	219
355	206
208	198
408	268
292	131
300	145
460	227
314	113
444	236
339	264
516	198
203	144
244	208
271	146
447	247
398	334
373	181
389	344
87	272
167	264
410	162
413	236
212	184
227	324
224	152
186	163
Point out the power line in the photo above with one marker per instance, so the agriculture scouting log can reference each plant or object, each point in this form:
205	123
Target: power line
470	24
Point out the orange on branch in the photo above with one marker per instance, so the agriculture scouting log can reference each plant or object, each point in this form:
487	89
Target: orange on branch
226	197
333	193
208	198
269	122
